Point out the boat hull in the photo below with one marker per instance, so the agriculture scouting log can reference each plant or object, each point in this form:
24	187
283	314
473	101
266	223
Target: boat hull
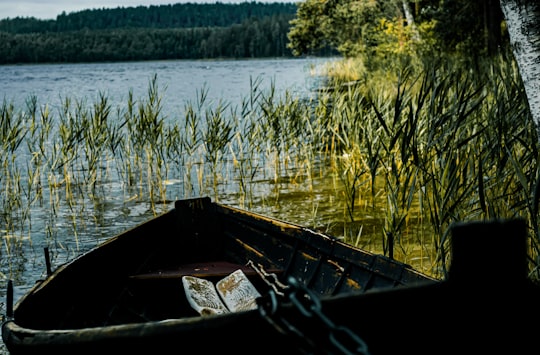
128	291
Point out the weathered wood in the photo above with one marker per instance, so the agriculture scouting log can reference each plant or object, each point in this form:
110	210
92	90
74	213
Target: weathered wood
201	269
128	292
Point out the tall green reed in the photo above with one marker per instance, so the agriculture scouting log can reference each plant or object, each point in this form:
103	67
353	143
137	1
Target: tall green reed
438	143
397	157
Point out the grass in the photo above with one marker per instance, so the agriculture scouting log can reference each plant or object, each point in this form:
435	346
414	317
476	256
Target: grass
387	164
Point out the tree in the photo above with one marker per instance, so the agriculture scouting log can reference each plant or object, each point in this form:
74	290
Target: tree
345	25
356	27
523	22
309	30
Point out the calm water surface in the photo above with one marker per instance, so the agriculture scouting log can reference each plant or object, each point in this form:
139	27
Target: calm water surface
179	82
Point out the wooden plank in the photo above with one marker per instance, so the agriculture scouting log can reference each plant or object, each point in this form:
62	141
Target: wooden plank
201	269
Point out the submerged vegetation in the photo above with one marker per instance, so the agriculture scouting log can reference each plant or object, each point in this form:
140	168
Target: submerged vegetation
387	162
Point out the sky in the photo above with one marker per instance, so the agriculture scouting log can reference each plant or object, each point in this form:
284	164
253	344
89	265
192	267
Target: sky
49	9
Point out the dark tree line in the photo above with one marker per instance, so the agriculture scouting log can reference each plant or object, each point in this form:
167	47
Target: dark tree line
181	31
188	15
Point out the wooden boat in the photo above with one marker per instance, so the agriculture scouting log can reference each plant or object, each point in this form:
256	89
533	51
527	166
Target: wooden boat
129	292
315	295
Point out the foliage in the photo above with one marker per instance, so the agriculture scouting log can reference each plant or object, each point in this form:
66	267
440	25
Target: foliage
354	27
439	143
468	26
345	25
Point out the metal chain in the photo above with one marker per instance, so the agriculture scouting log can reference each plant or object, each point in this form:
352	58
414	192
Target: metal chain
270	279
309	327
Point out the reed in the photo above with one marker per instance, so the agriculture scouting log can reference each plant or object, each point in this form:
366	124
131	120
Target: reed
388	163
12	135
216	137
444	146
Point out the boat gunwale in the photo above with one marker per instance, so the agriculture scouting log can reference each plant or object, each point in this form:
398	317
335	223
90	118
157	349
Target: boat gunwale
17	335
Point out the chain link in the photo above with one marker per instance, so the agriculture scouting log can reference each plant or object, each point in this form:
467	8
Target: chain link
312	331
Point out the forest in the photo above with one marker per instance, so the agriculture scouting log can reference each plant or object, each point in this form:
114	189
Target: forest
179	31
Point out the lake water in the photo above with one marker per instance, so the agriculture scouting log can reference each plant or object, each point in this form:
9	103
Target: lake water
179	82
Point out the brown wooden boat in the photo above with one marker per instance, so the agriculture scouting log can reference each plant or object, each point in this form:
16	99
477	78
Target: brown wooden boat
139	292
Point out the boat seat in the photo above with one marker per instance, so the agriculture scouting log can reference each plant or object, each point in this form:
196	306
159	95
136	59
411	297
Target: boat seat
202	269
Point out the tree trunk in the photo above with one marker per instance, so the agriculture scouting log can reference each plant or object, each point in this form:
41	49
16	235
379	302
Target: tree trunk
523	22
408	12
410	18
